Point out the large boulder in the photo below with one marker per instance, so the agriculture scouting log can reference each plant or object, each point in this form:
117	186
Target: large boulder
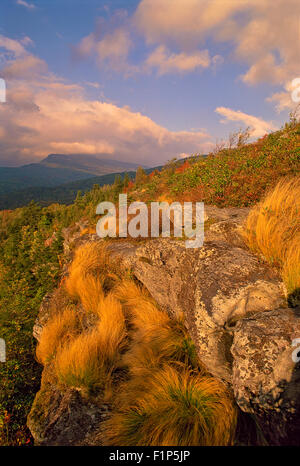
214	286
64	417
266	378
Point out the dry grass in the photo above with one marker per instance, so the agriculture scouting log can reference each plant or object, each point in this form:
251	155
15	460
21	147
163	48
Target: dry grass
139	305
90	230
273	229
91	274
174	408
88	361
90	292
156	338
154	346
291	270
168	398
59	329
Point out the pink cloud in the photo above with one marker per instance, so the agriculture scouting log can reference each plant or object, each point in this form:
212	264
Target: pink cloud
258	126
44	113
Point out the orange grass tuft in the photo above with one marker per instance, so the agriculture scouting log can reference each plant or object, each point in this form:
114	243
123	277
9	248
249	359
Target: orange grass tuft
173	408
139	305
88	361
91	274
90	292
273	229
58	330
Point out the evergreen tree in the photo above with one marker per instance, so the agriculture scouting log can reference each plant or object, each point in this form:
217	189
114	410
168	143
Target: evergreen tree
140	176
126	180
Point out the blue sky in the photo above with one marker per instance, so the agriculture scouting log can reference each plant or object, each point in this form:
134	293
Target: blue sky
154	78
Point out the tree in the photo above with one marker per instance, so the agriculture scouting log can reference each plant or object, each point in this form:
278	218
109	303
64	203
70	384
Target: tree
140	176
295	116
171	166
239	138
126	180
118	183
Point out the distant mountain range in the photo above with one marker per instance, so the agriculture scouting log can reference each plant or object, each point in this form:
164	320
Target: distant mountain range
63	194
85	163
57	169
59	177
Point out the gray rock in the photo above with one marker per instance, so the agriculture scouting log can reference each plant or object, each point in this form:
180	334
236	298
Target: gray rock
235	214
214	286
266	380
63	418
52	302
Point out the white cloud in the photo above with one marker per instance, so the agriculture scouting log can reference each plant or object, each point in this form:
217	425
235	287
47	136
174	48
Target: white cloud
283	100
263	36
167	62
44	113
110	45
258	126
30	6
12	46
110	51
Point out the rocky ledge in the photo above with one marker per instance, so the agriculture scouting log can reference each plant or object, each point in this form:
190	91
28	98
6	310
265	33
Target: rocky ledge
235	309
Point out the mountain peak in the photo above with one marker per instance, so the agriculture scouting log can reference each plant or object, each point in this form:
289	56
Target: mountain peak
93	164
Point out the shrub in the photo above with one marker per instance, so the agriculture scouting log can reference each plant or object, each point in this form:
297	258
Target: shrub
58	330
273	229
174	408
89	361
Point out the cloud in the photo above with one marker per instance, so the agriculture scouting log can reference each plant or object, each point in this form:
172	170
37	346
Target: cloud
112	41
30	6
263	37
109	44
258	126
111	51
179	36
24	67
45	114
167	62
12	46
283	100
185	23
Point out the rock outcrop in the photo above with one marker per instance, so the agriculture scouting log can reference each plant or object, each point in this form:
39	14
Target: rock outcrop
64	418
214	286
266	378
235	310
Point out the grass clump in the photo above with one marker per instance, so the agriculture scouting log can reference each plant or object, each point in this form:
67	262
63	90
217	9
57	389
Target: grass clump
91	274
273	229
156	338
89	290
139	305
88	361
176	408
156	344
139	359
58	330
169	399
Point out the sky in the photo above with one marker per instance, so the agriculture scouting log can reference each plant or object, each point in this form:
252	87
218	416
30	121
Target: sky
143	80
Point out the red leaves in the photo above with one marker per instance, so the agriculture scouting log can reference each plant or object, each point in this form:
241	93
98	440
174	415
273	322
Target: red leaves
183	167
